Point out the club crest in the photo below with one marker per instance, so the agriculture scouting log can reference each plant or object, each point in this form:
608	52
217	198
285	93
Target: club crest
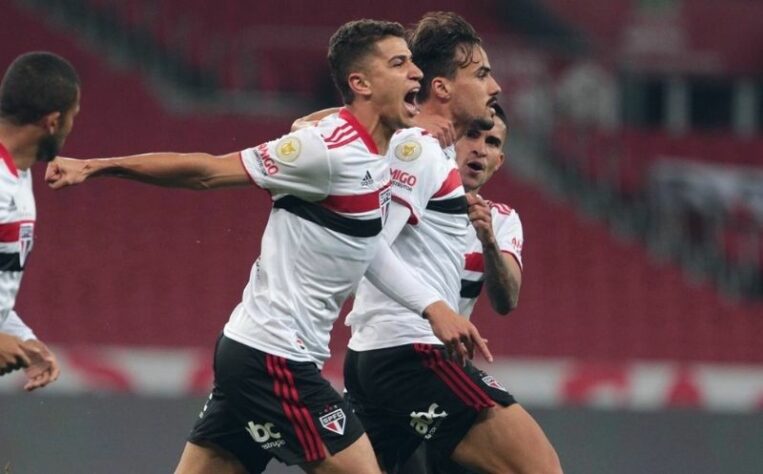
334	421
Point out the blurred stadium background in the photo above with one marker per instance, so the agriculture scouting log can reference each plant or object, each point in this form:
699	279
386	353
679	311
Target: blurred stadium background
635	160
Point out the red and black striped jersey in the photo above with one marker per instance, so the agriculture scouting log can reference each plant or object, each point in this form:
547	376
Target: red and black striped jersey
425	179
17	218
330	190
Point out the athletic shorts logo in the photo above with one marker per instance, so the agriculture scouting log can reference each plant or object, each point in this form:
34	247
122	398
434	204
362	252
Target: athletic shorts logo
288	149
265	435
490	381
424	421
334	421
408	151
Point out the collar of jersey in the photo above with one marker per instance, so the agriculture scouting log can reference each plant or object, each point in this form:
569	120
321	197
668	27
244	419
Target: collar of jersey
362	132
6	156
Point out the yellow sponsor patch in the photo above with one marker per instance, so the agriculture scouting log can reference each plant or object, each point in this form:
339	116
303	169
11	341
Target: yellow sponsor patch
288	149
408	151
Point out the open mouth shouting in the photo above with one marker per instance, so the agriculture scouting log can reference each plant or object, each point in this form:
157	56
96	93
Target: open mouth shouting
477	166
410	101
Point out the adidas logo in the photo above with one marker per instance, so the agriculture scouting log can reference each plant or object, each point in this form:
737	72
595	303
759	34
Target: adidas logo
367	180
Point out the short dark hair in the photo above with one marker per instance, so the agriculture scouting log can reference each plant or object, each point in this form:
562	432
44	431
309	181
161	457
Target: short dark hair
351	43
435	42
501	114
35	85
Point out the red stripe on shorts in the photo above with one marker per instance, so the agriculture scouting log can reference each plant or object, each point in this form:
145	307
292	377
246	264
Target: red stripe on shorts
289	397
454	377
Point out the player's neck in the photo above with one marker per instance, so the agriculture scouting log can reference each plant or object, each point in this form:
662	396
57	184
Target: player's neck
372	122
19	143
435	108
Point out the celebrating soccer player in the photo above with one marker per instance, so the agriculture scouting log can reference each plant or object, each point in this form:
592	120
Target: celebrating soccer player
405	388
330	187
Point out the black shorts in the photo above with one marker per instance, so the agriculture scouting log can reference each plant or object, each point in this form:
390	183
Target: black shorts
408	394
263	406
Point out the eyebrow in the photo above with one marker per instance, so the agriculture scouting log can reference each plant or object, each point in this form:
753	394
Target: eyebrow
494	140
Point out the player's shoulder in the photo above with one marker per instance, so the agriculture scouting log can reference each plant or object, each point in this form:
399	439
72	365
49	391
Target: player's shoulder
502	209
409	144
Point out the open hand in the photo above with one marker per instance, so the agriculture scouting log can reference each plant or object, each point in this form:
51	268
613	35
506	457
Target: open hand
455	331
43	367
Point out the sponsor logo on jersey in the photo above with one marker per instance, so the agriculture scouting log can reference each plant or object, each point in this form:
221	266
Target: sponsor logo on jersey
334	421
367	180
403	179
408	151
265	162
490	381
26	241
426	422
265	434
288	149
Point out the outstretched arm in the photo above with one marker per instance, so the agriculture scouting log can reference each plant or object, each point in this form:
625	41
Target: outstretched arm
185	170
503	277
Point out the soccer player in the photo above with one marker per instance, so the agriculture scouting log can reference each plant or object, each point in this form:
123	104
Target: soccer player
493	258
330	186
404	387
39	98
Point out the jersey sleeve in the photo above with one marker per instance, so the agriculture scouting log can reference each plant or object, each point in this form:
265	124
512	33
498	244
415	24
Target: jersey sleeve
14	326
413	181
508	232
296	164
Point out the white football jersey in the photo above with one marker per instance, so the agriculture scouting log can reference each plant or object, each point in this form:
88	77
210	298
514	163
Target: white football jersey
508	232
330	191
425	178
17	217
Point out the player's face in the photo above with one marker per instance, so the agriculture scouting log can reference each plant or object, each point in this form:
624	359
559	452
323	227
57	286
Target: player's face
51	144
474	91
479	154
394	81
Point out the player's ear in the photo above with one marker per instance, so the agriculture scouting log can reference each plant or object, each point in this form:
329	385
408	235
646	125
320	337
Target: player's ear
441	88
50	122
501	159
359	84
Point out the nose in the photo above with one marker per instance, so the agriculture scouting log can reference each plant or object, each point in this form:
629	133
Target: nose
480	148
493	88
415	73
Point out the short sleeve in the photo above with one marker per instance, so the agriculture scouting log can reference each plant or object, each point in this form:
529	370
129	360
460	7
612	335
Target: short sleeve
508	232
413	158
14	326
295	164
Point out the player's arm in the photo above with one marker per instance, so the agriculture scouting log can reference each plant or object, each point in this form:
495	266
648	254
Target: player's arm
392	276
503	277
185	170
